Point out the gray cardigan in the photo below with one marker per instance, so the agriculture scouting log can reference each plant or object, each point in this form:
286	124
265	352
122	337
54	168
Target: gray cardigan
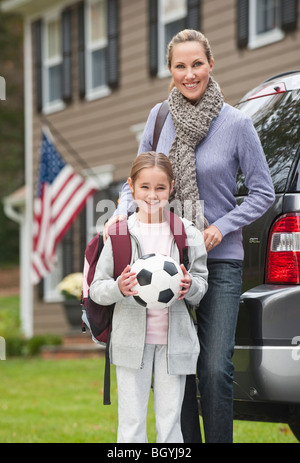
129	319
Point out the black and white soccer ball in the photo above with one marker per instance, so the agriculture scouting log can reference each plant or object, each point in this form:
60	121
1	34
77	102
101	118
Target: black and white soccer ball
159	281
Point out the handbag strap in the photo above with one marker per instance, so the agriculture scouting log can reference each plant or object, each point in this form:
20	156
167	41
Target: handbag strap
160	120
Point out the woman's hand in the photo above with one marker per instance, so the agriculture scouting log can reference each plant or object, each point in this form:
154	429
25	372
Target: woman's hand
111	221
186	282
127	281
212	237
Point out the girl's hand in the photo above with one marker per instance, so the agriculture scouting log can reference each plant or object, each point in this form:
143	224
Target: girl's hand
111	221
126	282
212	237
186	282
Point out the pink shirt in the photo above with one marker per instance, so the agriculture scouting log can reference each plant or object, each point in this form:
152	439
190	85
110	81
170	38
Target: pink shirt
157	238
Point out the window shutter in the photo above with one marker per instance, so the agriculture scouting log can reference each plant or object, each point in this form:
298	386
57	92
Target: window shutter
81	50
289	14
113	43
242	23
193	14
67	55
153	39
37	37
82	231
68	257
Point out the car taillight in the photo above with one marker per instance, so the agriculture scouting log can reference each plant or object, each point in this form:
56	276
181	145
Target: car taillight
283	254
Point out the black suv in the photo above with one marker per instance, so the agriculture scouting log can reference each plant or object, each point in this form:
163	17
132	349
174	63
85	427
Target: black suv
267	351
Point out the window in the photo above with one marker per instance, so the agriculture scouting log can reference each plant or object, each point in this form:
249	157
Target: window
52	64
265	22
50	291
171	20
99	208
166	18
261	22
52	45
277	121
100	202
96	45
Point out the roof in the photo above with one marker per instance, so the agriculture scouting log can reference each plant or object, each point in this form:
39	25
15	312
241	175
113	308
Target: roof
26	7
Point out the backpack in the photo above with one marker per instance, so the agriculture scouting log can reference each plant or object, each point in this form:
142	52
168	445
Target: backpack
98	318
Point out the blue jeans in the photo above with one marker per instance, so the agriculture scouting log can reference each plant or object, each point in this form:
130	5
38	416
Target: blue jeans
217	318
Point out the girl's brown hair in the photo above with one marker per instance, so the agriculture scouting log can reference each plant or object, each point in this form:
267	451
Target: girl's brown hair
151	159
188	35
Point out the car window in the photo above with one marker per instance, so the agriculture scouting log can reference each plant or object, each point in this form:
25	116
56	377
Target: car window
277	121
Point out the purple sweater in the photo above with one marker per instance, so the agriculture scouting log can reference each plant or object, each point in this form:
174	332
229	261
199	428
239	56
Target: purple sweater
231	142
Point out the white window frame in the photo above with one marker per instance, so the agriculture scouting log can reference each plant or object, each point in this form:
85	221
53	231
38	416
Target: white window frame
91	46
163	20
51	293
103	177
257	40
58	104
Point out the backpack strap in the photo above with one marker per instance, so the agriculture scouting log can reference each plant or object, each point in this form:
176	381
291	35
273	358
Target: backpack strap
160	120
178	230
121	247
92	254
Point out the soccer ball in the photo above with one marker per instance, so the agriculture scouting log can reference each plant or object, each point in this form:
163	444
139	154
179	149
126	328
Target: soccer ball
159	281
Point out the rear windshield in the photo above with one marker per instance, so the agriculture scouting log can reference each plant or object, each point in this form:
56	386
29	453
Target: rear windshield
277	121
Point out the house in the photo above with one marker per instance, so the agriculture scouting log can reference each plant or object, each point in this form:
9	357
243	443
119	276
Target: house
94	69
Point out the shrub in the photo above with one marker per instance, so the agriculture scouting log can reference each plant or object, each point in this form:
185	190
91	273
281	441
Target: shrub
10	329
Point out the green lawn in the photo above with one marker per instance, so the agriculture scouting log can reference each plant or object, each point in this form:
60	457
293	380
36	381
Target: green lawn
60	402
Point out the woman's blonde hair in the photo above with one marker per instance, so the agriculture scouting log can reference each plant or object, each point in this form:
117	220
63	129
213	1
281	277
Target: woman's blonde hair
188	35
151	159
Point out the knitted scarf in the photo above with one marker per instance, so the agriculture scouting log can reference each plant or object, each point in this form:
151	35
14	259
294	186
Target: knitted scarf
191	124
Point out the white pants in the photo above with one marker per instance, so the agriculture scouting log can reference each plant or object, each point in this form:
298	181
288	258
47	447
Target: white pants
133	395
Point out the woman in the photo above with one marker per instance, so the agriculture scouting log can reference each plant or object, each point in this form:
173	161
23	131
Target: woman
207	141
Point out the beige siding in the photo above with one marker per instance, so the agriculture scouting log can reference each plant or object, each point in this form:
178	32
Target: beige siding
100	130
239	70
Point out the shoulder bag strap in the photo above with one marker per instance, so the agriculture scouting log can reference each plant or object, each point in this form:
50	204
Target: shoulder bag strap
160	120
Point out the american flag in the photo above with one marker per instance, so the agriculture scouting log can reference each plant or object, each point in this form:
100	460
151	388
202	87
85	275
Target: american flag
61	195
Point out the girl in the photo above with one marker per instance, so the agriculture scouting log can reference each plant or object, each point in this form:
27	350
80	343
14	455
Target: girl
159	342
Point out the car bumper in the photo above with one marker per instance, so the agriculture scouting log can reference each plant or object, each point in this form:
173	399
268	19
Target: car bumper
267	351
267	373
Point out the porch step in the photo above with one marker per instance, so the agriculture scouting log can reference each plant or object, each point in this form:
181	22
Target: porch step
75	345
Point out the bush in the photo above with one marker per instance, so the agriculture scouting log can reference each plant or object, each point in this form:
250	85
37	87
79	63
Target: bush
10	325
19	346
34	345
10	330
15	346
